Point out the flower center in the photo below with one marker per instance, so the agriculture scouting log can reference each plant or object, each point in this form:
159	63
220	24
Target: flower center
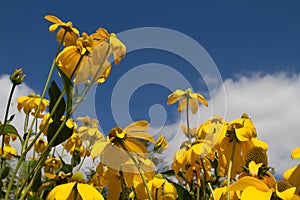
258	155
283	185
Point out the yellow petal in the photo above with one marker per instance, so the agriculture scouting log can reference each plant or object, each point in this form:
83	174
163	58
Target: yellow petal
141	135
247	181
135	146
260	143
140	125
296	153
193	105
253	168
251	193
175	96
98	147
88	192
182	105
202	99
53	19
53	27
292	175
286	194
61	192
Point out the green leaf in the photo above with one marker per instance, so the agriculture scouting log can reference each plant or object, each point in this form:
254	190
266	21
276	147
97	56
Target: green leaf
183	194
54	94
38	181
64	134
4	172
8	129
66	168
69	89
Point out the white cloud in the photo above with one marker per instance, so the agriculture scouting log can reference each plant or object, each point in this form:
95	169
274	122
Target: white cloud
21	90
273	103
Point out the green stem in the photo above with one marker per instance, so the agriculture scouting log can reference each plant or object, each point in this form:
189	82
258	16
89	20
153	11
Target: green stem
204	179
212	191
82	161
5	119
198	193
187	118
139	170
230	168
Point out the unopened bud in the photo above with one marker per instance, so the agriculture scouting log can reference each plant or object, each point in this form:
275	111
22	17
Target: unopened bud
17	77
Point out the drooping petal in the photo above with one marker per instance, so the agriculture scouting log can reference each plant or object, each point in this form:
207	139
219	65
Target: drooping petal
202	99
292	175
296	153
53	19
98	147
140	125
141	135
193	105
247	181
253	168
251	193
135	146
61	192
88	192
182	105
175	96
286	194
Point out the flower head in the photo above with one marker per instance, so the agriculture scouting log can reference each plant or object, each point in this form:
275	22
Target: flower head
31	102
9	152
186	98
17	77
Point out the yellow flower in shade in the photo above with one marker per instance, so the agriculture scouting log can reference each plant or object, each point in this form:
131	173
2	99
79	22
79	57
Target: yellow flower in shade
89	132
70	123
191	161
186	97
74	145
127	175
9	152
67	27
9	137
252	188
31	102
243	133
116	46
292	174
159	188
285	191
161	144
52	164
126	138
74	190
40	145
221	194
193	131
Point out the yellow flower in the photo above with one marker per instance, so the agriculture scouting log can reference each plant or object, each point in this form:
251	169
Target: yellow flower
252	188
193	131
70	123
9	152
125	138
69	190
89	131
31	102
186	97
74	145
292	174
52	164
40	145
221	194
285	191
71	32
161	144
159	188
9	137
243	133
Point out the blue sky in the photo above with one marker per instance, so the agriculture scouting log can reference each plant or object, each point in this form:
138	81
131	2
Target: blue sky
247	40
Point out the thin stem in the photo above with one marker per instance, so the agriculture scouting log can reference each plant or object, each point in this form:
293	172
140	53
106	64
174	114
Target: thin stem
204	179
187	118
5	119
198	193
230	168
212	191
139	170
82	161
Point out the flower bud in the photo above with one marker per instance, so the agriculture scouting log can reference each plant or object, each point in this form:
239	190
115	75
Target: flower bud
17	77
